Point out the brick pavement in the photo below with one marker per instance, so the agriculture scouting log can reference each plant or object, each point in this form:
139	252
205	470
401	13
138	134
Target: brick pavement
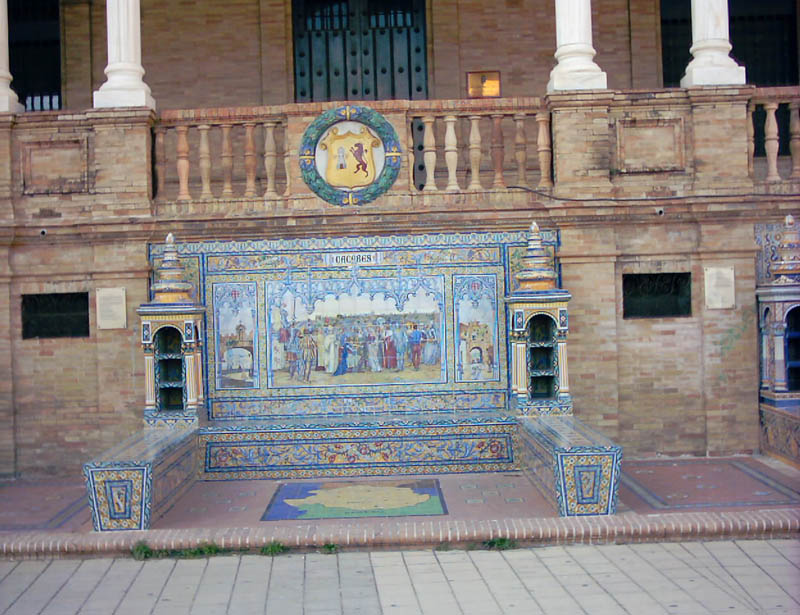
42	521
695	578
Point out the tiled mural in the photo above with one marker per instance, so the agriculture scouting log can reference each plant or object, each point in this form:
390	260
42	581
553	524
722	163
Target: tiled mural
339	326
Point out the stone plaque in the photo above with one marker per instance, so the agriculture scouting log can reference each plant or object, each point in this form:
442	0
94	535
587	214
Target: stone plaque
720	288
111	313
55	167
650	145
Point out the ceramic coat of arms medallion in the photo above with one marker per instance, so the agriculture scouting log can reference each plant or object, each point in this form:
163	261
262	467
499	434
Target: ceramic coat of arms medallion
350	155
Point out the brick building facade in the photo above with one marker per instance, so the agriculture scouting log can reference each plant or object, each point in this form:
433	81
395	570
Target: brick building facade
636	179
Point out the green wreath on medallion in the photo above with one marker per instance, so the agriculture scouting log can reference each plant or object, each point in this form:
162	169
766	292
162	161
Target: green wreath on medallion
374	121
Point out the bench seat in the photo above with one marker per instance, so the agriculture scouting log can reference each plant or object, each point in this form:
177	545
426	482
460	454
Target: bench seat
576	467
136	481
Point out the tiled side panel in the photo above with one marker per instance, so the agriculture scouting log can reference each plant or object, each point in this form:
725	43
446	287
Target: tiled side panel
780	434
357	452
119	496
173	475
538	464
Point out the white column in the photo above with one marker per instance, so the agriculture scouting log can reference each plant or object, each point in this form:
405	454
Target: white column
576	69
124	86
9	102
711	64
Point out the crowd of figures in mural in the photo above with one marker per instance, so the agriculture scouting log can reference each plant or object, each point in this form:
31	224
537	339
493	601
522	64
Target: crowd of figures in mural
327	349
357	338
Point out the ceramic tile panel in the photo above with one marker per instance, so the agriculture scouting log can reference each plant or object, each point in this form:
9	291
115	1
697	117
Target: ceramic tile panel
780	430
352	325
358	451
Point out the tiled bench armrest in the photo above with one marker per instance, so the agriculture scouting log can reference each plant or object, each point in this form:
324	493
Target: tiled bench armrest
572	463
133	482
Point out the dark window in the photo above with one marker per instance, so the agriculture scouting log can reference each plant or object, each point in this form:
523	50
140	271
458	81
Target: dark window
793	350
34	41
55	315
654	295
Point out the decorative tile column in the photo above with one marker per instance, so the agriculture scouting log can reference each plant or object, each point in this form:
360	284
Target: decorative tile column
778	298
172	311
711	63
576	69
8	98
124	86
538	298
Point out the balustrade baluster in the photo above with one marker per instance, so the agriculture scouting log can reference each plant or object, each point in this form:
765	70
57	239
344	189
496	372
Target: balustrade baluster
451	152
497	151
249	161
410	153
161	162
182	163
227	162
474	153
287	160
794	138
520	148
270	159
205	162
544	149
429	153
751	138
771	142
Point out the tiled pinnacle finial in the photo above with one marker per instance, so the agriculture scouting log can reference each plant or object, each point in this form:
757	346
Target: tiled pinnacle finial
170	286
538	273
787	268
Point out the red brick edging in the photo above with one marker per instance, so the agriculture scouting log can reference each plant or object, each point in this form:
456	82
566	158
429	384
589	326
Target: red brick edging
623	528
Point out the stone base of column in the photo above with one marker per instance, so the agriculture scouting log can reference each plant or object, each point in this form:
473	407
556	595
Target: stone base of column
9	103
108	97
713	75
583	80
712	65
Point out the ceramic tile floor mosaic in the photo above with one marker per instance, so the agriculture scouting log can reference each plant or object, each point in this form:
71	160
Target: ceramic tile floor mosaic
648	486
467	496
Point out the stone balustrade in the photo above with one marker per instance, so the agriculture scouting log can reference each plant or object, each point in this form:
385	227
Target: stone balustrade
248	153
213	154
780	115
464	131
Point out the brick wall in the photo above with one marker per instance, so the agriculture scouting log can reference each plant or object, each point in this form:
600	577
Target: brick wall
240	52
75	397
663	385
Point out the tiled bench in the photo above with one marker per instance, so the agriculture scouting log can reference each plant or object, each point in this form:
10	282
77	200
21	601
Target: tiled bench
135	482
571	463
370	445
